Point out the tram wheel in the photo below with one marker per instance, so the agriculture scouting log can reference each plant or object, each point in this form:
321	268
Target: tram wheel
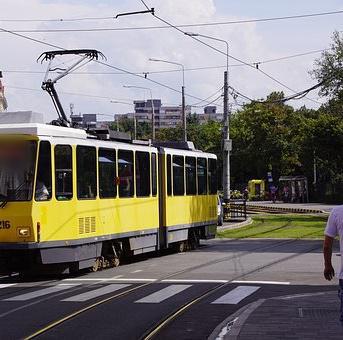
96	265
114	261
181	247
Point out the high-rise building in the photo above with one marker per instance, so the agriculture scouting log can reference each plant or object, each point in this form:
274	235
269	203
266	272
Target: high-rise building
144	110
3	101
210	113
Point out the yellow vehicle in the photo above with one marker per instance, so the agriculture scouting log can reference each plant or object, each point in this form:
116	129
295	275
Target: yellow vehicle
70	200
256	188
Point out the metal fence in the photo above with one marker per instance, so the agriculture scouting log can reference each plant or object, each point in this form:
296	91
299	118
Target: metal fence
236	210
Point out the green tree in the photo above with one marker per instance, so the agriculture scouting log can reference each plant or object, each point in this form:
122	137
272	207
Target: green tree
329	69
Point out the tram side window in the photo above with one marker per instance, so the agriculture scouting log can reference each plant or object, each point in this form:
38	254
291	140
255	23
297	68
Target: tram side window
169	181
107	173
43	190
191	184
142	174
153	174
125	173
63	172
178	176
202	176
86	172
212	176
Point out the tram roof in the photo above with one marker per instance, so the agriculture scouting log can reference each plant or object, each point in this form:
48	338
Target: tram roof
34	129
30	123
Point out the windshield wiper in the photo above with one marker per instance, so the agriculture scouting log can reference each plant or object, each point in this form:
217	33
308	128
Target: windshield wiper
14	194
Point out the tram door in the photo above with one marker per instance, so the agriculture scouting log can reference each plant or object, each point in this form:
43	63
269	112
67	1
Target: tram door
164	165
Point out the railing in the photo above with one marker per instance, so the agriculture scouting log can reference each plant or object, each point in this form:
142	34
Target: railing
235	210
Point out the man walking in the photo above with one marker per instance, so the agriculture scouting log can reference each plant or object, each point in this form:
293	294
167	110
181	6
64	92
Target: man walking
333	229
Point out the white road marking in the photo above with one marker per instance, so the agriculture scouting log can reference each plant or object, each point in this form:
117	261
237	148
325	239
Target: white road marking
39	293
137	271
112	279
96	293
236	295
163	294
264	282
195	281
5	285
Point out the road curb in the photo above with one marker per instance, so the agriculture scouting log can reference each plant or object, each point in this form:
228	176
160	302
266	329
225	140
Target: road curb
230	328
257	207
236	225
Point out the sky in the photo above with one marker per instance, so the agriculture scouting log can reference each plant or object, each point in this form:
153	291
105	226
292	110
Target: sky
130	50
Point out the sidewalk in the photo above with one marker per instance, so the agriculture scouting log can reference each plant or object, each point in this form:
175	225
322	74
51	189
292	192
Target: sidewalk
312	316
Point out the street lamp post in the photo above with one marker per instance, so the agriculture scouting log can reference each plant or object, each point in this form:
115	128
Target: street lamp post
183	102
153	108
116	118
226	120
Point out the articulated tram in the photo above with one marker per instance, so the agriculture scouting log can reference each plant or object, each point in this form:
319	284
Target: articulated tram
71	200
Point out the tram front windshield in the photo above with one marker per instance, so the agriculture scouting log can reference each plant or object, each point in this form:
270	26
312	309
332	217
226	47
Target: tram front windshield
17	166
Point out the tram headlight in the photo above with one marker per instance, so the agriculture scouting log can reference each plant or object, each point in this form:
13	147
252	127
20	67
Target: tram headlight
24	232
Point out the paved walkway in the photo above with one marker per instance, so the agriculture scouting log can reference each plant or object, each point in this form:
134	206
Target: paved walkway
307	317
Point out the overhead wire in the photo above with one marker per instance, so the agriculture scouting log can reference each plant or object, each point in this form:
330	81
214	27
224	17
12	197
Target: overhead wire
224	53
104	64
177	69
209	97
217	23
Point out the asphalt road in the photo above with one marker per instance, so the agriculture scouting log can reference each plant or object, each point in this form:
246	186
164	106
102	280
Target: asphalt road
128	301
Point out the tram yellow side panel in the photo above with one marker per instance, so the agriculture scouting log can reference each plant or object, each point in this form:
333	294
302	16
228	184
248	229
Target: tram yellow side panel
72	220
183	210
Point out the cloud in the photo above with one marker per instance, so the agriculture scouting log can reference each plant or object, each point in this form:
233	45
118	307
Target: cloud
131	50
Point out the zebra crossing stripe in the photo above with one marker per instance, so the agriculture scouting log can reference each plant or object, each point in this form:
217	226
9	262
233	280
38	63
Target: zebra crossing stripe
236	295
39	293
96	293
5	285
163	294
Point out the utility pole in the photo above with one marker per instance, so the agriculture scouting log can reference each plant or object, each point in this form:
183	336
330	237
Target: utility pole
226	141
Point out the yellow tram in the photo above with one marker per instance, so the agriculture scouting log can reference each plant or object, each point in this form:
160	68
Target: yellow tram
71	200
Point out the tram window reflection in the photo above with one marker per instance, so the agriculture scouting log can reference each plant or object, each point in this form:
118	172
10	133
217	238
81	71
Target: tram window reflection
178	176
63	172
142	174
212	176
43	191
191	185
125	173
169	179
86	172
154	174
107	173
202	176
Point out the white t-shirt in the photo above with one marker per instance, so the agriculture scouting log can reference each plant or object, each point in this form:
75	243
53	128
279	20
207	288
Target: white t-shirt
334	228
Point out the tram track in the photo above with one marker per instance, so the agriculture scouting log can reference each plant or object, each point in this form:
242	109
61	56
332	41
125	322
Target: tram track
172	316
154	331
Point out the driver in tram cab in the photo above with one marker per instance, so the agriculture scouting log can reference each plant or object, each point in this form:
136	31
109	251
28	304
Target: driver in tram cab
42	192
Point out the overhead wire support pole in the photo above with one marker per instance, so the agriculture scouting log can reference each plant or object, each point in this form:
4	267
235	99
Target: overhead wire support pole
183	100
226	143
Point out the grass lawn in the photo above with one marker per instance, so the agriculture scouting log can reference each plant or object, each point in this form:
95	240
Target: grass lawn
280	226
